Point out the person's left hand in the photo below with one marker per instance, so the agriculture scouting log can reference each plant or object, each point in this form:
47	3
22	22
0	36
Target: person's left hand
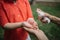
31	30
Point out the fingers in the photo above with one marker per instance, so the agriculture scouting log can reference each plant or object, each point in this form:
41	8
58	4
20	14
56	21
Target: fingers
30	30
26	24
27	28
42	16
38	10
32	22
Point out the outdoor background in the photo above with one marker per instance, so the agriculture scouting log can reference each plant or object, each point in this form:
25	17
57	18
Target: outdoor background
51	30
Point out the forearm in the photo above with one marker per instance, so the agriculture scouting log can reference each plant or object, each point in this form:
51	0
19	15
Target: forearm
53	18
40	35
12	25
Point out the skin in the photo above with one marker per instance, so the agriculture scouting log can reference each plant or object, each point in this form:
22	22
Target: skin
20	24
39	33
32	22
17	25
51	17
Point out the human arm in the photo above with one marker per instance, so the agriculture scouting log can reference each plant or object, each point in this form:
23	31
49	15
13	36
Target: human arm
53	18
39	33
13	25
7	21
10	25
17	25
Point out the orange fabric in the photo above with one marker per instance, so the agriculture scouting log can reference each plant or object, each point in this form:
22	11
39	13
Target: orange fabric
11	13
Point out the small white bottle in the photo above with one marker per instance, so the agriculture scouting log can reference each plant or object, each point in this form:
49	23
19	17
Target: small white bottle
42	14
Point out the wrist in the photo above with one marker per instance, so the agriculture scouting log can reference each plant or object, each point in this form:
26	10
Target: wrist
21	25
47	15
36	32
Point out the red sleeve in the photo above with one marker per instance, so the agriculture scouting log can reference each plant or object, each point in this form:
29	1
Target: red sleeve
30	15
3	18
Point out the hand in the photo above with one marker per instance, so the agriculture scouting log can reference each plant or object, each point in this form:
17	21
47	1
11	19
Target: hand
42	16
31	30
26	24
32	22
44	20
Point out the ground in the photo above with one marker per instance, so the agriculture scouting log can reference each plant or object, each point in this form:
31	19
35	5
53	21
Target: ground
51	30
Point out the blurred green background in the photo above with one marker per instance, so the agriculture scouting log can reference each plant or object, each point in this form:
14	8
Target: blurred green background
51	30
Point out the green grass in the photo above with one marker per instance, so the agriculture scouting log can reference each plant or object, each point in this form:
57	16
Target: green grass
51	30
1	33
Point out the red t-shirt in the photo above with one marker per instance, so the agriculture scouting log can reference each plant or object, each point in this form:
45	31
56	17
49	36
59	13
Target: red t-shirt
12	13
